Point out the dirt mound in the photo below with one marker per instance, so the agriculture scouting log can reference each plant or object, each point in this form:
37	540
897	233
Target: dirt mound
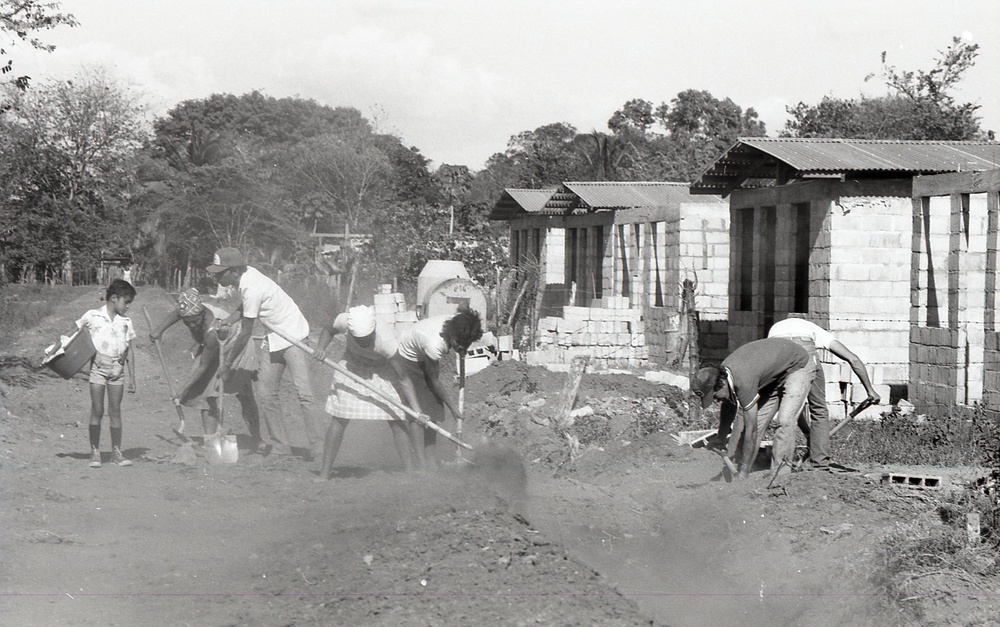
521	403
445	556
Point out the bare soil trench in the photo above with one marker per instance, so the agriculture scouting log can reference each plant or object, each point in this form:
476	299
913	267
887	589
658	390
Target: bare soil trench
637	532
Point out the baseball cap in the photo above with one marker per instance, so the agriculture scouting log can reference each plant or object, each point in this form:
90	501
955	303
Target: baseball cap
224	259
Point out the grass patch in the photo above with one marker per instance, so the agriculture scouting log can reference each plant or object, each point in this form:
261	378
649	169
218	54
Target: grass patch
931	560
963	437
23	306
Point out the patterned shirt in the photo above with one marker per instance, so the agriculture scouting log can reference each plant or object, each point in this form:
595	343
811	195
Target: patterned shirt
110	337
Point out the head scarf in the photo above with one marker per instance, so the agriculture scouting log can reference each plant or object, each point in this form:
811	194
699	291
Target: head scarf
361	321
189	303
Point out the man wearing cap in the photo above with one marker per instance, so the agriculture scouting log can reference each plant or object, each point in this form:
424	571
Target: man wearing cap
260	297
766	379
367	352
208	381
811	337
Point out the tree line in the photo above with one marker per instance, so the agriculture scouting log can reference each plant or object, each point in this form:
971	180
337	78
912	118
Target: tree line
85	171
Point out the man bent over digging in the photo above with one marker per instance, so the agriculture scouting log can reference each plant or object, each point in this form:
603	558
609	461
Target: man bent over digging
758	382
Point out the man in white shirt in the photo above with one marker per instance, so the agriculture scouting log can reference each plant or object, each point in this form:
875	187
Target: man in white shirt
811	337
263	298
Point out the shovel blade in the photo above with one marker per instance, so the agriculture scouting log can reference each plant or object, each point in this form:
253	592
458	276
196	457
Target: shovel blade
221	449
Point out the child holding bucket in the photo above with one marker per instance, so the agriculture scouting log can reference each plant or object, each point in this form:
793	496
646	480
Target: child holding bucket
113	335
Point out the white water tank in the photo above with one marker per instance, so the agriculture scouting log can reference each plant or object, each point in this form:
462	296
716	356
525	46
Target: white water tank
444	285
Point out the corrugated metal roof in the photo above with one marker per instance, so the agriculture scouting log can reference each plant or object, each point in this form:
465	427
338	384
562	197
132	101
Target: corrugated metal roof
577	197
531	200
514	201
844	155
761	158
626	195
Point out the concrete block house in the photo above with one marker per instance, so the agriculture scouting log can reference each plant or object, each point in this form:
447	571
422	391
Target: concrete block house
613	256
825	229
954	335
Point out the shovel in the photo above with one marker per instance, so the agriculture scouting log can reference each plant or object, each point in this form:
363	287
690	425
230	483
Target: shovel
179	430
461	401
221	449
863	405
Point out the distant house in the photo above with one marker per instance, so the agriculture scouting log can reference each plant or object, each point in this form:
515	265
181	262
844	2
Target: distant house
824	229
624	246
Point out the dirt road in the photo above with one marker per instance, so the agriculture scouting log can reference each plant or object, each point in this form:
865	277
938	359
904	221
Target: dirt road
636	533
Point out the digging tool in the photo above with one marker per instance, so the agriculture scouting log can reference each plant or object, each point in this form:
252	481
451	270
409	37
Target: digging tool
221	449
863	405
179	430
421	418
461	401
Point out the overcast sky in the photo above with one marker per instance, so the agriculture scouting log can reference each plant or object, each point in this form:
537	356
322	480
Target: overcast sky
458	78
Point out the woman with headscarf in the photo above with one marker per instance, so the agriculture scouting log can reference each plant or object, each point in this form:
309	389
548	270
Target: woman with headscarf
418	364
367	352
209	379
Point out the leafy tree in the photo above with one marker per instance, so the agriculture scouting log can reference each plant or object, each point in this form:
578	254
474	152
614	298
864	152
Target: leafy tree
699	127
410	177
351	174
67	160
19	19
544	156
920	105
670	142
608	157
634	118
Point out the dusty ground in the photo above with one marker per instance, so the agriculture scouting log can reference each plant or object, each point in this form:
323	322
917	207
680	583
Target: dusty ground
632	530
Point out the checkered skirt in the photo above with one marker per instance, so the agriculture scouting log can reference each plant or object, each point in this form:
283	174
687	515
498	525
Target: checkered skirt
351	401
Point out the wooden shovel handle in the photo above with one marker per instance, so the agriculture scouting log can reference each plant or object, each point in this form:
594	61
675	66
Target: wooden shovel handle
163	364
422	419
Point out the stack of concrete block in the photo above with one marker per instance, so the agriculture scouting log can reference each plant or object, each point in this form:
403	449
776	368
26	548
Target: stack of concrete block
661	327
612	338
391	311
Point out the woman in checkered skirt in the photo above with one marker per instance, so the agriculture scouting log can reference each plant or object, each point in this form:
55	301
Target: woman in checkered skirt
366	354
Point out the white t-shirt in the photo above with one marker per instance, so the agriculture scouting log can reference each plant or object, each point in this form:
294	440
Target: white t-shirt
263	298
797	327
374	357
423	340
110	337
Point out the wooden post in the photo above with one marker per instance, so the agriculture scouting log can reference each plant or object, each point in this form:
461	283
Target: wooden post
689	340
972	527
576	370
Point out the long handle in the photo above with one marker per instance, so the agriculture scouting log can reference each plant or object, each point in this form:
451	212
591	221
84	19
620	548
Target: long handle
461	395
350	375
863	405
166	374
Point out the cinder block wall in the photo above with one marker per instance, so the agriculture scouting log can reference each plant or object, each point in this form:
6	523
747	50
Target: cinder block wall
869	282
662	334
859	255
703	254
953	345
991	372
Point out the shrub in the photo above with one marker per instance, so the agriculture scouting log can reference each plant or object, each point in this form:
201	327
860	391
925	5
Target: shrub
963	437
